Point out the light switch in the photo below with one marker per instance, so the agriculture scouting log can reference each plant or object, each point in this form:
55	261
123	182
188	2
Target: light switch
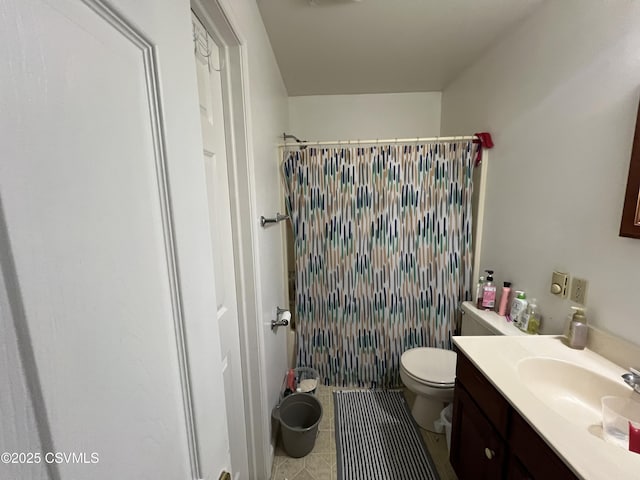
559	284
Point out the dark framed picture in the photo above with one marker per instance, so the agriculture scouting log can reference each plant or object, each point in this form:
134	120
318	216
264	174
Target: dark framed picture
630	223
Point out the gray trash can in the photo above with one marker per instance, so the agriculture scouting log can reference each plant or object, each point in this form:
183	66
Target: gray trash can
300	415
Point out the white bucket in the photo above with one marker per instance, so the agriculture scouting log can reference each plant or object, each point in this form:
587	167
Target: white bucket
444	423
445	417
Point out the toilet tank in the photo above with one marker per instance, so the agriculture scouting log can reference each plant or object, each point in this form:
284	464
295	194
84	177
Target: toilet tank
477	322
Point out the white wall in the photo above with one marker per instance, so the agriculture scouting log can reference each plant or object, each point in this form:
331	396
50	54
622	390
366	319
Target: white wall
365	117
268	118
560	95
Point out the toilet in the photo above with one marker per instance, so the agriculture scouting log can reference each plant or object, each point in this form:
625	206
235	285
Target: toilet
430	373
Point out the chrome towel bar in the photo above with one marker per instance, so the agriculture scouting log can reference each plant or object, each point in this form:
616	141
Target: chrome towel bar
264	221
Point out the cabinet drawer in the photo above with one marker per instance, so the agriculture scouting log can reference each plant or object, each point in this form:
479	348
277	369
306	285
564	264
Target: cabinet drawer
536	456
490	401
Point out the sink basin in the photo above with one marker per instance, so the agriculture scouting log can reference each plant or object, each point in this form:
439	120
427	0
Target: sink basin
570	390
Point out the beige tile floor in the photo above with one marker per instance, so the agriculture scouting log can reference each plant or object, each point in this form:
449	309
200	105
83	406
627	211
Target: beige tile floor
320	464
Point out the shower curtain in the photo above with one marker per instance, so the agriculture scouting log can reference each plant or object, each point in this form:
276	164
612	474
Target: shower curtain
383	241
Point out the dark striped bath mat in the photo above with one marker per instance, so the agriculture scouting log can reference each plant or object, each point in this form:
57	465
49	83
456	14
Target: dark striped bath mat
377	438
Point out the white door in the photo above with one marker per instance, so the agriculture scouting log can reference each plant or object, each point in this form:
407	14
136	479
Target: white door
104	206
209	67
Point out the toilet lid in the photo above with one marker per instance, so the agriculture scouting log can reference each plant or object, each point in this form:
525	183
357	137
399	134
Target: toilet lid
430	365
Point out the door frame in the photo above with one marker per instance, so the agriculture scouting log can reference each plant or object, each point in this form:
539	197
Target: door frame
217	19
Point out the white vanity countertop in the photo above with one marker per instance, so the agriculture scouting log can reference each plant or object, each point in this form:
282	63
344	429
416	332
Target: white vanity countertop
589	456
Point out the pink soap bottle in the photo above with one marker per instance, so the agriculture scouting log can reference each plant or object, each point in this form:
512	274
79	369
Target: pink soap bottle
504	299
489	293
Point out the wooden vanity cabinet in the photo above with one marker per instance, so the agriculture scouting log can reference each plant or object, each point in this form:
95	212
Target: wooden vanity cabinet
477	450
490	440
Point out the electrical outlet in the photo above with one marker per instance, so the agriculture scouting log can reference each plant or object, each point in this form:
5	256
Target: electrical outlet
578	290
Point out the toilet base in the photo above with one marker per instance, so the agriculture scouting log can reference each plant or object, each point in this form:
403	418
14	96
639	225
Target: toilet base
426	411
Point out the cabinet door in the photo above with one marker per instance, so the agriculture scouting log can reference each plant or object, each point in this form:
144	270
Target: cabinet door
534	454
516	471
477	451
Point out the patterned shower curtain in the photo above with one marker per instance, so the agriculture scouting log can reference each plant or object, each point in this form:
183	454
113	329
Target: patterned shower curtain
383	254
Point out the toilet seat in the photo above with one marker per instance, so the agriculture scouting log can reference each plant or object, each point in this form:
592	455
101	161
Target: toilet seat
434	367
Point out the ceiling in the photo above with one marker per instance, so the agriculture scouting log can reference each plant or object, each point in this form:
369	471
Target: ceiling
328	47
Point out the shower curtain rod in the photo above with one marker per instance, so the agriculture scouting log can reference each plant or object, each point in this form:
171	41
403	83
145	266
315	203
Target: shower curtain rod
392	140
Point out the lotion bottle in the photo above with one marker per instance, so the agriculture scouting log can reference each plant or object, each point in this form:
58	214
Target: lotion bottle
578	329
504	299
518	307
